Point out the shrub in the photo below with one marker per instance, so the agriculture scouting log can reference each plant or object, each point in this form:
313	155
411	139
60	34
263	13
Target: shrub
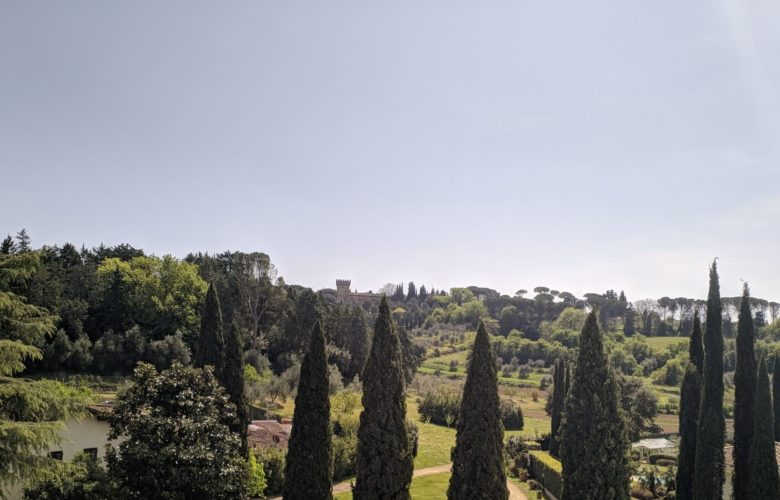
547	471
442	407
516	455
272	460
656	456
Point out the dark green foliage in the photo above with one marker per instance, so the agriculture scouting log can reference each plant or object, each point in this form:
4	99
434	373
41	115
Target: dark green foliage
441	406
708	482
477	459
411	355
231	376
744	388
558	401
81	479
776	395
211	341
690	400
629	327
273	466
309	464
384	460
594	439
179	445
764	480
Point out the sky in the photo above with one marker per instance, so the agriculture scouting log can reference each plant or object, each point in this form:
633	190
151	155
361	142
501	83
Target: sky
508	144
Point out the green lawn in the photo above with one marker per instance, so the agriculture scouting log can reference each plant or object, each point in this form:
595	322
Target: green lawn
432	487
662	343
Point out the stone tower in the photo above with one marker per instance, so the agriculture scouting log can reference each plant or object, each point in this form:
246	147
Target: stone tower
343	290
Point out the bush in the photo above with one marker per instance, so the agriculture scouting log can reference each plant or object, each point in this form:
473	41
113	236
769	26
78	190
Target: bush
547	471
516	455
511	415
665	462
442	407
272	460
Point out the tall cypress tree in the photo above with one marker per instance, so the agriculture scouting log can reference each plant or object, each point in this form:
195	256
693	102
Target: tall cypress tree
309	467
594	438
231	376
744	388
708	482
384	454
558	400
764	480
477	459
776	395
690	400
211	341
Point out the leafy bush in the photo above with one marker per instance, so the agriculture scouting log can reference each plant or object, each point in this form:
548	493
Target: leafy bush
658	456
516	455
272	460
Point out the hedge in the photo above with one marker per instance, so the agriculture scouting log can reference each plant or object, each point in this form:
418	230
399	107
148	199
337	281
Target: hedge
547	470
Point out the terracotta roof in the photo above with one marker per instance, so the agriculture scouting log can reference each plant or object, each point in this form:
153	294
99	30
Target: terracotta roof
268	434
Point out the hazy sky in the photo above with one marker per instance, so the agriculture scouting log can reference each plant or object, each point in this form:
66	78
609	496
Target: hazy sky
510	144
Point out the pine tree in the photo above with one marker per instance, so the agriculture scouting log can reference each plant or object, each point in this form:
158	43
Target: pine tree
23	242
764	480
690	399
558	401
231	376
211	342
384	455
776	395
8	246
744	388
32	412
708	481
594	438
477	459
412	291
309	465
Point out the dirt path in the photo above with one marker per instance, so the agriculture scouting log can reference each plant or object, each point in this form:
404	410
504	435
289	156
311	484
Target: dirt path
514	491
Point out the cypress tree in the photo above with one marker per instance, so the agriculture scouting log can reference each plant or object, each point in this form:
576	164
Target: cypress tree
309	466
594	438
708	481
776	395
744	388
764	480
231	376
477	459
558	400
211	341
690	399
384	455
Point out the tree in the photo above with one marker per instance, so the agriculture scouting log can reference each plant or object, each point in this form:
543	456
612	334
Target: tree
477	459
764	480
8	246
776	395
23	242
384	454
594	439
32	413
412	291
558	402
231	376
211	341
708	482
744	388
81	479
179	444
309	466
690	400
629	328
260	297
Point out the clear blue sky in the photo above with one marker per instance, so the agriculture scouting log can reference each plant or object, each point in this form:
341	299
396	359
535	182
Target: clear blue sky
507	144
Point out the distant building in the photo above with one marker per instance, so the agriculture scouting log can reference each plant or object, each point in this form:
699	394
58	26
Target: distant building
263	434
656	446
345	295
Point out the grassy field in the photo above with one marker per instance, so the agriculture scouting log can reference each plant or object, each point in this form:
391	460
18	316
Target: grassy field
432	487
662	343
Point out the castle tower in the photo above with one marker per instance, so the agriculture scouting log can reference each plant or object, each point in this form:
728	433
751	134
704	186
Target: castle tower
343	290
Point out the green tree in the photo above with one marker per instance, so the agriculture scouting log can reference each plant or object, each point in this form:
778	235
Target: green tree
231	376
31	412
708	482
764	480
776	395
179	444
309	466
594	439
477	459
744	388
558	402
81	479
690	400
211	341
384	455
